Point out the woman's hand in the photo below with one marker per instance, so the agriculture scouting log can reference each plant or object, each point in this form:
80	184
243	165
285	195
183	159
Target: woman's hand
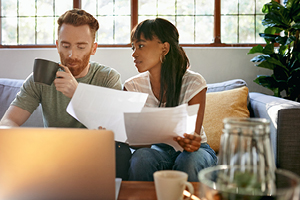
190	142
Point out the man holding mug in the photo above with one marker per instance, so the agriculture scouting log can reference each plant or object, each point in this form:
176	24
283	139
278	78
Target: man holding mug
75	44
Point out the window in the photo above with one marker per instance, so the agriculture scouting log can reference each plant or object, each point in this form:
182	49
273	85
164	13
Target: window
200	22
194	19
241	21
31	22
114	18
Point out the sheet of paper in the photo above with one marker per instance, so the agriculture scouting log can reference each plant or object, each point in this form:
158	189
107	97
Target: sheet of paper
160	125
96	106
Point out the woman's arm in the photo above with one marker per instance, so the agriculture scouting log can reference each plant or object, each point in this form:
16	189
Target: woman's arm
192	142
199	98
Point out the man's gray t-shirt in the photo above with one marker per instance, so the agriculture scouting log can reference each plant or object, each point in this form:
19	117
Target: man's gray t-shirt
54	103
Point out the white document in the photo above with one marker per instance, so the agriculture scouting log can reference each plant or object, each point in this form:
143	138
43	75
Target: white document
160	125
96	106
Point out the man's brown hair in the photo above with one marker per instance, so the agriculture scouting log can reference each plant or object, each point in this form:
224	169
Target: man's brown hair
78	17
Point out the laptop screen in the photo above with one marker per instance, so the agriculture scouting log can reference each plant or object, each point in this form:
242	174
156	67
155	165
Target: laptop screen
57	163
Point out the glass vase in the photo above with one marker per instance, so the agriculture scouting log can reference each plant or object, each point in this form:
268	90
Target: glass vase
246	142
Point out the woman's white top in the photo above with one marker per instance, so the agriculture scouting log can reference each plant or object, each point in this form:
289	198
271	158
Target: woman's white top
192	84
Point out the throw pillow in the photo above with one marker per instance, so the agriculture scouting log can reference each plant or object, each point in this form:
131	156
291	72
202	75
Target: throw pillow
220	105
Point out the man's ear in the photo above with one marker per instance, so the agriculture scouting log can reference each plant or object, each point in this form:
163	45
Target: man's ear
94	48
166	48
56	42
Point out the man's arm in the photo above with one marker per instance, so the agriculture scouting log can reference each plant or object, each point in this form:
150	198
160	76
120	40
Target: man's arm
14	117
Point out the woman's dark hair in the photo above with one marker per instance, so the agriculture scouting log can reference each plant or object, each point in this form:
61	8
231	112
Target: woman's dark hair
174	64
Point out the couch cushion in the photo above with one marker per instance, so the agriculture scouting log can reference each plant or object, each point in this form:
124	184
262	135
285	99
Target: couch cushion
8	90
226	85
220	105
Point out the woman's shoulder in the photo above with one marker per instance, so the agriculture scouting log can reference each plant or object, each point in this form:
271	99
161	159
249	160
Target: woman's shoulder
138	77
134	83
193	76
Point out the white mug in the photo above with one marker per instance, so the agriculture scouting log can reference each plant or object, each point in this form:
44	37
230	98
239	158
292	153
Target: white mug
170	184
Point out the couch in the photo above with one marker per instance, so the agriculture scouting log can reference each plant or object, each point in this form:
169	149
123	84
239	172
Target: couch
284	115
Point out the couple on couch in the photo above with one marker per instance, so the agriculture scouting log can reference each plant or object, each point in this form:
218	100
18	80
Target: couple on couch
164	75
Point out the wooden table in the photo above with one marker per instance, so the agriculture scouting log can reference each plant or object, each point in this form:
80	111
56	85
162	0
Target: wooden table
144	190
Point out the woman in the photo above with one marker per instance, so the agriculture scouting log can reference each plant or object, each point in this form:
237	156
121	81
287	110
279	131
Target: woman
164	75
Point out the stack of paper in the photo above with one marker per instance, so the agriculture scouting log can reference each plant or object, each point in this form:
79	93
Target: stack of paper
124	113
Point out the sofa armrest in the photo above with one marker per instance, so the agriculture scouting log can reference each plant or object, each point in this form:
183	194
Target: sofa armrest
288	141
8	90
270	107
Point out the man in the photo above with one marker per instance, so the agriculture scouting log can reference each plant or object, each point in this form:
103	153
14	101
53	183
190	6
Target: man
75	45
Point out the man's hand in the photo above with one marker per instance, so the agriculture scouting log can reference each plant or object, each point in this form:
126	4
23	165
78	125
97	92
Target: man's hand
65	82
190	142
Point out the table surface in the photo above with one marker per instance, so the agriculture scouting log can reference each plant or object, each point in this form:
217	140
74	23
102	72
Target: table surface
144	190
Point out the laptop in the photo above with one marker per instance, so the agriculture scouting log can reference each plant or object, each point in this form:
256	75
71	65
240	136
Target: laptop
57	164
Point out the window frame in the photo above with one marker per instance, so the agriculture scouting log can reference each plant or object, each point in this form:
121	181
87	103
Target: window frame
134	21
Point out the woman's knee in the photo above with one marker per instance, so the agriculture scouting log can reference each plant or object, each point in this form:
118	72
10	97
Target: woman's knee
143	163
199	160
141	157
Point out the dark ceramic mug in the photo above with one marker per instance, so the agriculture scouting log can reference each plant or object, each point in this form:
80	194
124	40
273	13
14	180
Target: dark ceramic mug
44	71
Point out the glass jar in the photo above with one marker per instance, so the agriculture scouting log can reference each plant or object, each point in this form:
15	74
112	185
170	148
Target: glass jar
246	142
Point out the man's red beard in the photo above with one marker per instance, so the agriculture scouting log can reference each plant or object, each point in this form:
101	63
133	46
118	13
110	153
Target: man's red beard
80	64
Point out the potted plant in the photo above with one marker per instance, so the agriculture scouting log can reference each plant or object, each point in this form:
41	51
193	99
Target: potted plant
282	50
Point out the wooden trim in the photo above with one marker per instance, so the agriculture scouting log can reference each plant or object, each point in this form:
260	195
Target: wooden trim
26	46
128	45
217	22
134	13
77	4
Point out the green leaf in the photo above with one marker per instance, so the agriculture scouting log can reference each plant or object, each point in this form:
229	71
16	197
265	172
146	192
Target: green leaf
266	65
282	49
271	30
290	3
276	92
267	8
296	26
285	40
296	18
281	40
273	5
294	7
269	37
276	15
276	20
276	62
295	70
295	67
297	55
290	40
269	49
268	82
259	58
256	49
